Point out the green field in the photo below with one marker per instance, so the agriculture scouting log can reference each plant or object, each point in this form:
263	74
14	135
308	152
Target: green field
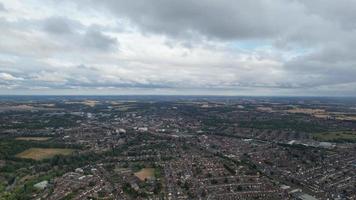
33	138
338	136
43	153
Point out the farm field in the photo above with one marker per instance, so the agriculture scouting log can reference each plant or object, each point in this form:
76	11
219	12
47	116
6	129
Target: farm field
33	138
145	173
340	136
43	153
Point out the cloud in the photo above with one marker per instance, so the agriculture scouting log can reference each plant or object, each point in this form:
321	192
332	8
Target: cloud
97	40
276	47
261	19
219	19
8	77
2	7
74	32
60	25
341	12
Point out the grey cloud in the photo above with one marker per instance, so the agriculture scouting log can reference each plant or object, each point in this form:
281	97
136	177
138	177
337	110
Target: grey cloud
330	65
78	35
23	37
97	40
85	67
86	77
231	20
2	7
61	25
219	19
342	12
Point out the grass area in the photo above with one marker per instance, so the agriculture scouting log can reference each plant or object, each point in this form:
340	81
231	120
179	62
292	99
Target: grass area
33	138
145	173
123	107
286	124
43	153
345	117
338	136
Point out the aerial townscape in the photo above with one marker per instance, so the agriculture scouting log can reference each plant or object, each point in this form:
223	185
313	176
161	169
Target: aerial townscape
177	100
177	147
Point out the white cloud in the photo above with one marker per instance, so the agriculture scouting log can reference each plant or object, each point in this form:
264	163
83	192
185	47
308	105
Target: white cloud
9	77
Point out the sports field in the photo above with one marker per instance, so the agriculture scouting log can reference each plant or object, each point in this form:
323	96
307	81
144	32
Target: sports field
145	173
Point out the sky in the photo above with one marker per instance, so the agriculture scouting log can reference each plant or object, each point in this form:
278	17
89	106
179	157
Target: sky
178	47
